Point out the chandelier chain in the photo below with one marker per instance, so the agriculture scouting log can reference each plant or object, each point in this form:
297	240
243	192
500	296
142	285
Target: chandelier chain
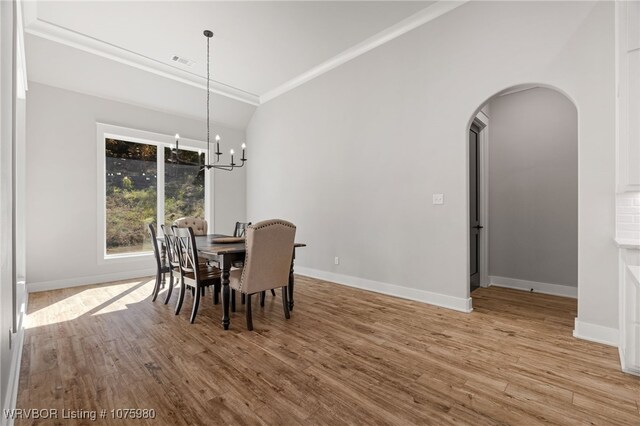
208	93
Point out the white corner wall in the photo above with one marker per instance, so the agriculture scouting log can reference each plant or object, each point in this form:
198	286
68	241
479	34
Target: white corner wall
533	188
61	202
354	156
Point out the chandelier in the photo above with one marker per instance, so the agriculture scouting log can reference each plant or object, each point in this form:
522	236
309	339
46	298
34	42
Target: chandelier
216	164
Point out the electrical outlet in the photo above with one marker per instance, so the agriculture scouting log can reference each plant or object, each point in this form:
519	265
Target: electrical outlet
438	198
336	260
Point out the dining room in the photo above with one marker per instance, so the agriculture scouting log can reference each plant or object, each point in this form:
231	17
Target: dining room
221	212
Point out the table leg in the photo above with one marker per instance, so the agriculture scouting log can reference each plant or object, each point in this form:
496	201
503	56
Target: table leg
225	297
291	286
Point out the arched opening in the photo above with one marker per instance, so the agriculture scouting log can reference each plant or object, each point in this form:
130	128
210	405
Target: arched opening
523	191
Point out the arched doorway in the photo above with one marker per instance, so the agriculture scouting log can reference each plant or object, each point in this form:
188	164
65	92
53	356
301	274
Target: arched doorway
523	191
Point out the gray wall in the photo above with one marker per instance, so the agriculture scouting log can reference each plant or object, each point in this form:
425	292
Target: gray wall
61	183
354	156
533	187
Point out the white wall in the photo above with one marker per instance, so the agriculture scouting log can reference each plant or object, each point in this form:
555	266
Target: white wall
353	156
11	182
61	202
6	310
533	187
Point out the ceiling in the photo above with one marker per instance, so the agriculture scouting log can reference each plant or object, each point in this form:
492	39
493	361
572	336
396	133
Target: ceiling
257	45
122	50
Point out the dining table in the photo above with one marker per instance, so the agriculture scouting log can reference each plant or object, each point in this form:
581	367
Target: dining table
224	255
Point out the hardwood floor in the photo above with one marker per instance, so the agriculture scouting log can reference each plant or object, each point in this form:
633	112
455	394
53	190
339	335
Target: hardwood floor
346	356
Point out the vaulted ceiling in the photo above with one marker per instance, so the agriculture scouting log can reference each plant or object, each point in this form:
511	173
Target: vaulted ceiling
260	49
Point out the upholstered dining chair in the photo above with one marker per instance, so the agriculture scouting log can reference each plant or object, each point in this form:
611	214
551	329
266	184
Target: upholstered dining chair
269	247
193	274
161	267
239	231
200	226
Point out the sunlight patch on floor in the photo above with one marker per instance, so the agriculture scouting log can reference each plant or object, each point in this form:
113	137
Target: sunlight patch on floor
91	302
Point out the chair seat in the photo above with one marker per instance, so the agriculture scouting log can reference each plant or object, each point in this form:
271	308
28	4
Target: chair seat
207	274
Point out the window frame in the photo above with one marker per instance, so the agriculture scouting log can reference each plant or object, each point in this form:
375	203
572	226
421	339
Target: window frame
104	131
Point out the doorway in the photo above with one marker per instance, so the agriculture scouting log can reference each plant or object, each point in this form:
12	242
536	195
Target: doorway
530	189
474	207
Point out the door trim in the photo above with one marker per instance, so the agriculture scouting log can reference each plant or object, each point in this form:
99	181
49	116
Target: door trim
482	121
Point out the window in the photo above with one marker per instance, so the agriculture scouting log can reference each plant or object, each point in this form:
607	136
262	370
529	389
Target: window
131	195
144	180
184	187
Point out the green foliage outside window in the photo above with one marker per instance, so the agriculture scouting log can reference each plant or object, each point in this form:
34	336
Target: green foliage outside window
132	193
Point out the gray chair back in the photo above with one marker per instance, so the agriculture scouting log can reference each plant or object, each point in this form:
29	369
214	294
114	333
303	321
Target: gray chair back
267	264
200	226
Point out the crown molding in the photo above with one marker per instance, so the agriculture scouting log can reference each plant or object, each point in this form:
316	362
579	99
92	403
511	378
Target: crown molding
56	33
47	30
417	19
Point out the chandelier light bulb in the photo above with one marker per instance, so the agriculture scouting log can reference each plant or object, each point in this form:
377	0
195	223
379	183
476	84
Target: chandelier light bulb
244	145
231	152
177	136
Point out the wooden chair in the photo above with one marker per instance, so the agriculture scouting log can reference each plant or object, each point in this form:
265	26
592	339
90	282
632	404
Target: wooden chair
240	229
193	274
199	226
269	246
161	267
171	246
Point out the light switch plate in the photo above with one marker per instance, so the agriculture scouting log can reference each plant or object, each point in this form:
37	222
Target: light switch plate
438	198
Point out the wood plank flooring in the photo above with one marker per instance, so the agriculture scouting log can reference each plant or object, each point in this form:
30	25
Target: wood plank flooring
346	356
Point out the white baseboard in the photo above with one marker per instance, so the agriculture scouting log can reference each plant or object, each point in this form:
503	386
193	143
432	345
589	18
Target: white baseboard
596	333
538	287
451	302
94	279
17	342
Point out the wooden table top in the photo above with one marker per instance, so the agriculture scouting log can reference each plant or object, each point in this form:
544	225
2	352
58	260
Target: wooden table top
206	245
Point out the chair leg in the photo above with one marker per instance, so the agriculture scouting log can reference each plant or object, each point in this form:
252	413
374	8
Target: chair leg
273	292
196	303
233	300
262	296
156	287
180	297
202	291
285	303
166	299
248	312
242	298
